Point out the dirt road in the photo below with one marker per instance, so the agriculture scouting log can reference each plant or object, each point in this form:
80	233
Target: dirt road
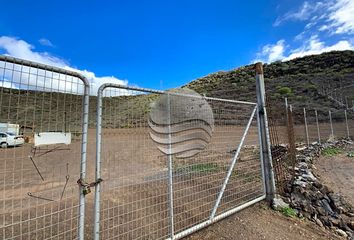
260	222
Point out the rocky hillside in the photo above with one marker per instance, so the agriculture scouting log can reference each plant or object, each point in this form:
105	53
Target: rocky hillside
306	82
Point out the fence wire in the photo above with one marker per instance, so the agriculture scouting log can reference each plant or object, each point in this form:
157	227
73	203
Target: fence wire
134	195
38	190
300	125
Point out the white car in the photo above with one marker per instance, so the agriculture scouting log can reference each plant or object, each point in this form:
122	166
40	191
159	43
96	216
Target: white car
8	139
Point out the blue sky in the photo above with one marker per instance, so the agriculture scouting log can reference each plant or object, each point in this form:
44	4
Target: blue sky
165	44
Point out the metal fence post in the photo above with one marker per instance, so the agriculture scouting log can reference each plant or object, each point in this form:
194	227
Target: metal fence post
96	226
306	129
346	123
330	121
263	131
318	127
170	170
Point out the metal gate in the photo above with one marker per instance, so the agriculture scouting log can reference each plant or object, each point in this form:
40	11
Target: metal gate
144	193
44	151
158	175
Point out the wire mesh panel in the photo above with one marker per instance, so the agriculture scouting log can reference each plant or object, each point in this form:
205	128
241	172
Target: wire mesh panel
161	176
41	120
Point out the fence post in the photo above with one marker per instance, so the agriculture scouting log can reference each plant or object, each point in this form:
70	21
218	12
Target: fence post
330	121
318	127
170	171
306	129
263	132
286	108
346	123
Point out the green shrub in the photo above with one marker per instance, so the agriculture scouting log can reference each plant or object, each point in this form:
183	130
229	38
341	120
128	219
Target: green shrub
284	91
331	151
288	211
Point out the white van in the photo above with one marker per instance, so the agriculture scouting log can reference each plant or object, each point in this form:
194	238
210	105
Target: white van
8	139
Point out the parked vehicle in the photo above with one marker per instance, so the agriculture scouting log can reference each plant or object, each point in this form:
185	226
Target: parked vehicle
8	139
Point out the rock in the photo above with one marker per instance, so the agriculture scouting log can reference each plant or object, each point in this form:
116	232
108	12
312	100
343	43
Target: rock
351	225
321	211
337	203
279	204
325	220
335	221
300	183
350	214
299	149
303	165
317	184
327	207
341	233
319	223
309	176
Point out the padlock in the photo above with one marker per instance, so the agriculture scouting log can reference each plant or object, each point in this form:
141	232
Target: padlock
86	189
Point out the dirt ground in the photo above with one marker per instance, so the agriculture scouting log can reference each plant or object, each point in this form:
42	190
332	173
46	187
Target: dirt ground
261	222
338	173
134	199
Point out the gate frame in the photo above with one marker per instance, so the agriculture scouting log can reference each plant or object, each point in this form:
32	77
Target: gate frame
264	143
85	115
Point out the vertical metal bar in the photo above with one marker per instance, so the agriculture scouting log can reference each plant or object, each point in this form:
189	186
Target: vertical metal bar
170	168
96	227
232	166
318	127
346	123
330	121
306	129
86	101
264	135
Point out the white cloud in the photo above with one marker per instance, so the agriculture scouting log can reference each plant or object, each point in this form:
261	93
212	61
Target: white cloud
45	42
21	49
324	22
341	17
303	13
272	52
315	46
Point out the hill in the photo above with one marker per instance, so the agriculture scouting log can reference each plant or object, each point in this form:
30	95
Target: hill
308	82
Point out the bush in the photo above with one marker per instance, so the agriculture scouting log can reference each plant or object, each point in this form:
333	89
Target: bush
331	151
284	91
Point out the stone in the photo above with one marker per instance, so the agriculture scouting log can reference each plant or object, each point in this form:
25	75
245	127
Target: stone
341	233
325	220
335	221
327	207
309	176
279	204
321	211
319	223
300	183
351	225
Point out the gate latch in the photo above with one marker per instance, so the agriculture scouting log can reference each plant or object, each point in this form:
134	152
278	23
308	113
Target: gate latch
86	187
